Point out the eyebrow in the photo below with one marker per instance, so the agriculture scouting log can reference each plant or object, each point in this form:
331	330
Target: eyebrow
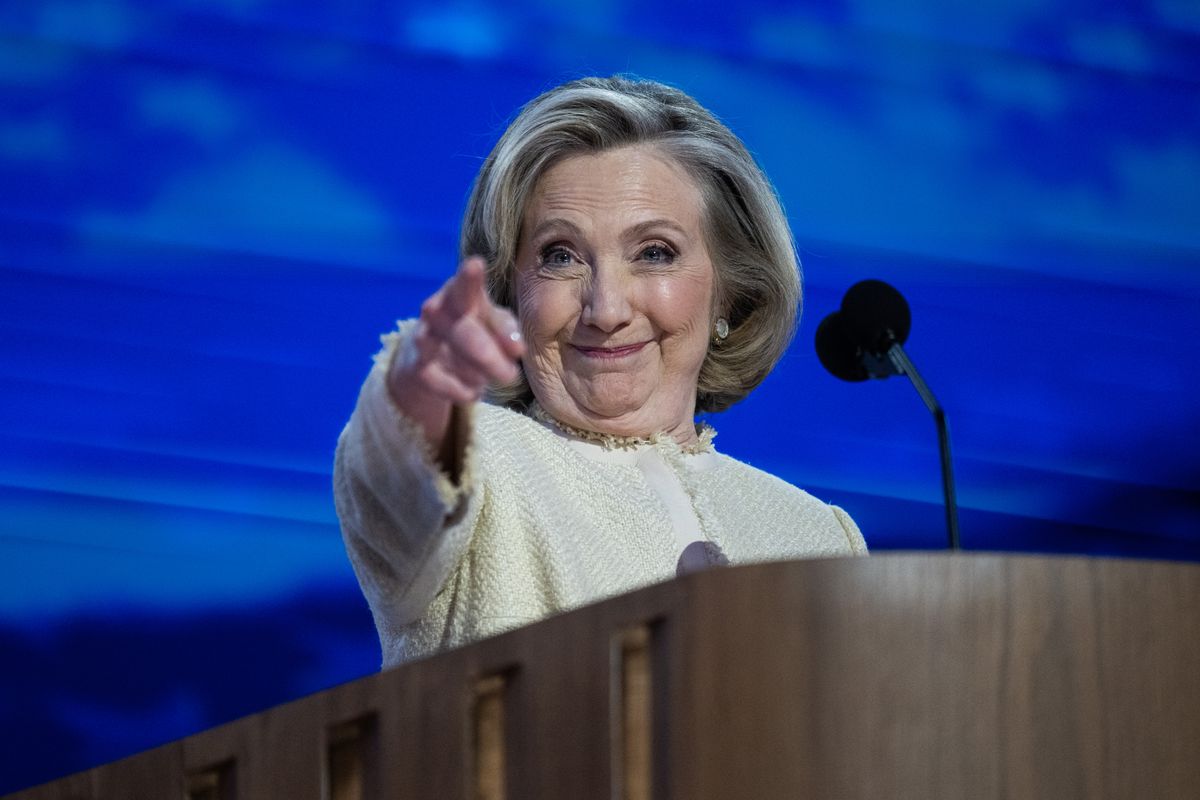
642	228
553	223
634	232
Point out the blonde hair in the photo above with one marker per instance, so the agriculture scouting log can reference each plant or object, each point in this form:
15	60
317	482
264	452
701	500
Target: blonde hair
748	238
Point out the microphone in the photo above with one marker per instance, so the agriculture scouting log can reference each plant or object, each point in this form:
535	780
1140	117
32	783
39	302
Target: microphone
853	343
864	339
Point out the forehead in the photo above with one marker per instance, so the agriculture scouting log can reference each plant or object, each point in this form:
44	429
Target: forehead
625	184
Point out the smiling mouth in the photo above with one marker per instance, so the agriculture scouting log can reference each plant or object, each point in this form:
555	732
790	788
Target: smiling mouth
610	352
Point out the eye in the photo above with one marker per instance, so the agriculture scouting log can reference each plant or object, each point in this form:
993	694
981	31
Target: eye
658	253
555	255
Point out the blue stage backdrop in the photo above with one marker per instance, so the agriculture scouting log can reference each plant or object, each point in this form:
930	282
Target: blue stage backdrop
209	211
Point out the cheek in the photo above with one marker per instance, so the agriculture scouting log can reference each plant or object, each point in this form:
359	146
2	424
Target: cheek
547	307
684	306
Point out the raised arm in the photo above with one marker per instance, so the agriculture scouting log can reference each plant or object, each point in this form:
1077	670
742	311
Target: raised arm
405	505
462	343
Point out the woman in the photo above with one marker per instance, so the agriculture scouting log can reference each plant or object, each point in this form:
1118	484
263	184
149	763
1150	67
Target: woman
650	275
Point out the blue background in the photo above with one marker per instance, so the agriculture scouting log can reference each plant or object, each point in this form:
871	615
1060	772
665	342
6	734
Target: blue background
210	210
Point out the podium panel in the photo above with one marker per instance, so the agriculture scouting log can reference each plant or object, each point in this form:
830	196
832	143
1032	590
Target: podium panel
924	676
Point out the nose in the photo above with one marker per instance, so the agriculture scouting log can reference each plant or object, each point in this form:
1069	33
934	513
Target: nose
606	299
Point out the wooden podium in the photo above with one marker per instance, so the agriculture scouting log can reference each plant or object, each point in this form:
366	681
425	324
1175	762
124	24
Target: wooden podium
898	676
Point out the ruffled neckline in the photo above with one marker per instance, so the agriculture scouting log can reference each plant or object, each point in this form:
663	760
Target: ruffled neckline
705	434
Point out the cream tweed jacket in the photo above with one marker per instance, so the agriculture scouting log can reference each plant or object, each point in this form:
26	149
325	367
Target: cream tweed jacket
534	526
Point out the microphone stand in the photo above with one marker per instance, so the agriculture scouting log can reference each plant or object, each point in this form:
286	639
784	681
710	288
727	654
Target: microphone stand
898	363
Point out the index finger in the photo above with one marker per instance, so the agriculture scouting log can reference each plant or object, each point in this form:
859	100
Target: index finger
465	292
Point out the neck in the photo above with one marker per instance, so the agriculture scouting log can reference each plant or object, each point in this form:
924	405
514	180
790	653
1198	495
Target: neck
690	438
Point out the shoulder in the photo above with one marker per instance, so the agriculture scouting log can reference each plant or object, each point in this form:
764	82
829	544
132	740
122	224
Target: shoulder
775	502
750	477
508	442
500	425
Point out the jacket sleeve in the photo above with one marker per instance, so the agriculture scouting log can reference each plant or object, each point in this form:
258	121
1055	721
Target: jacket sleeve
406	525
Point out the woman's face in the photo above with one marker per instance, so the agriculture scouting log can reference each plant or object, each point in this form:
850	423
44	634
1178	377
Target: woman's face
615	292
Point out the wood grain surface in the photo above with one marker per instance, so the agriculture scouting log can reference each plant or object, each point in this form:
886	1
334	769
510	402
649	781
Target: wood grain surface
899	676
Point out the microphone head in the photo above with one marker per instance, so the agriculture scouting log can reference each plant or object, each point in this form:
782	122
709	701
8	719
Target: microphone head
837	351
875	315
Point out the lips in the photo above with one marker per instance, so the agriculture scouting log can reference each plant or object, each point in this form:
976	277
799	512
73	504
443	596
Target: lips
610	352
